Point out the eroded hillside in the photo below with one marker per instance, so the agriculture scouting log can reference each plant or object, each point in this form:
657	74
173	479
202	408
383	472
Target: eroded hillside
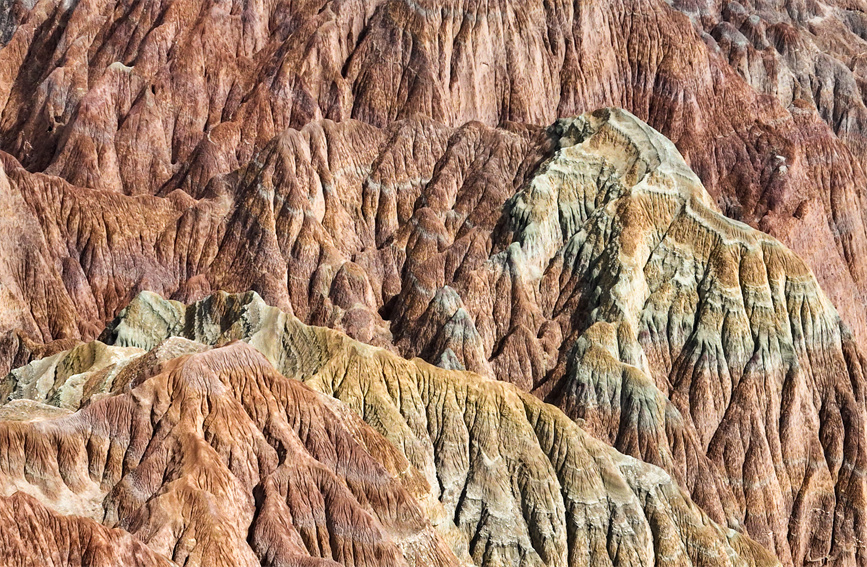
557	334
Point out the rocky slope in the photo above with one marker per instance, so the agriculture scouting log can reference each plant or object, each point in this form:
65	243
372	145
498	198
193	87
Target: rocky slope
212	457
584	262
215	459
143	98
812	52
399	171
36	535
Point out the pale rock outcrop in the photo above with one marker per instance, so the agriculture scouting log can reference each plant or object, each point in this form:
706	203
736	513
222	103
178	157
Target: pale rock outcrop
522	483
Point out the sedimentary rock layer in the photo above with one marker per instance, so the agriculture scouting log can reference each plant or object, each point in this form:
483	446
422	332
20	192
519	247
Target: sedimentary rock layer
215	458
584	262
143	98
383	168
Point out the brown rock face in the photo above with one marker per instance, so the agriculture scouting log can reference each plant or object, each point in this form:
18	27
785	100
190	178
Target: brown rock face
35	535
146	99
213	457
812	53
584	261
611	286
383	168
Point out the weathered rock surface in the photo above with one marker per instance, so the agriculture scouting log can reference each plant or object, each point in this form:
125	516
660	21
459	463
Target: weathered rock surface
36	535
214	458
800	53
191	454
584	262
142	100
320	154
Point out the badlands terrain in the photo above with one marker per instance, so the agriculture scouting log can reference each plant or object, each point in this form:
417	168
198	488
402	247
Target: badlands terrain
416	283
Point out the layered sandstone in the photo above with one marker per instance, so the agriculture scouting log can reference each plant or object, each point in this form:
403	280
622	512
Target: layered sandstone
683	338
213	458
381	167
584	262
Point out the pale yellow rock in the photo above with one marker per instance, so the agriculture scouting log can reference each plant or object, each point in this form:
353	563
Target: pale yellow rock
524	484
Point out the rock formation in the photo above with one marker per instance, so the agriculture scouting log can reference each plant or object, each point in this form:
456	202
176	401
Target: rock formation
212	457
811	53
599	276
142	100
425	178
36	535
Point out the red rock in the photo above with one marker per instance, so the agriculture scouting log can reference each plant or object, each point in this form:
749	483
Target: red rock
380	167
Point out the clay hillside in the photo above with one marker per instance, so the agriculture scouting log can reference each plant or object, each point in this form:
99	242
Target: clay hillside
433	283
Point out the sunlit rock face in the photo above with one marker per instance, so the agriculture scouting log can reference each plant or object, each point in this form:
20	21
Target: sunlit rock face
64	540
699	343
584	262
210	457
763	100
302	446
